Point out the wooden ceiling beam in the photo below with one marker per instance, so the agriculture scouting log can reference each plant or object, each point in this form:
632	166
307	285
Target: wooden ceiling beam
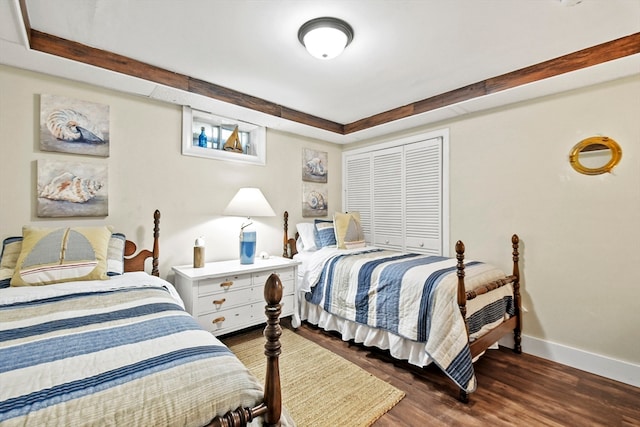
616	49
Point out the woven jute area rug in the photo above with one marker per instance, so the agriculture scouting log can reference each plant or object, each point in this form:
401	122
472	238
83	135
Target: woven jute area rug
320	388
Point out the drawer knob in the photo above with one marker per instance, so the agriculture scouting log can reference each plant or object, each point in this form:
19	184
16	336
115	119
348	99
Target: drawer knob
421	245
219	301
218	320
226	285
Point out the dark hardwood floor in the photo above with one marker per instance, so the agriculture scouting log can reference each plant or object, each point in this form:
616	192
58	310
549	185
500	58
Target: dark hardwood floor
513	390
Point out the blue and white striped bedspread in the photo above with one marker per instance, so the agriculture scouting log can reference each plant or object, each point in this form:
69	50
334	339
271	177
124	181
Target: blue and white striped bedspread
113	356
411	295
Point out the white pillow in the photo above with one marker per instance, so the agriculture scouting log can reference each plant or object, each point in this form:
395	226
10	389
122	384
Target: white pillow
306	230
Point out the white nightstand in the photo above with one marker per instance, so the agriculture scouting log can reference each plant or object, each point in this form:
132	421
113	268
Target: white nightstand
226	296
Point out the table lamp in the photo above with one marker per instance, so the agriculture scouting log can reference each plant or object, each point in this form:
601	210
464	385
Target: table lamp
248	202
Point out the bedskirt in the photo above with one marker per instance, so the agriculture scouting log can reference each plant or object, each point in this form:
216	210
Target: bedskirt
400	348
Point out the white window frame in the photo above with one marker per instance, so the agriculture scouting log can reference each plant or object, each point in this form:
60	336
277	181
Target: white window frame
257	136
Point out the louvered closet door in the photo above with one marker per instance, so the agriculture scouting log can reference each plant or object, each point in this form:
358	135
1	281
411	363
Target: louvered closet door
423	197
358	189
387	198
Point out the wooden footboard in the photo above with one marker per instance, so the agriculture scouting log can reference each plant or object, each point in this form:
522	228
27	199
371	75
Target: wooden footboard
271	408
514	323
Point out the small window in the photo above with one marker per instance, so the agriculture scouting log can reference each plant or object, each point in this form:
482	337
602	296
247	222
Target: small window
207	135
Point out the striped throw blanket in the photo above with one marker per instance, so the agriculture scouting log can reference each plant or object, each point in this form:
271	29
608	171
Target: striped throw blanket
411	295
112	353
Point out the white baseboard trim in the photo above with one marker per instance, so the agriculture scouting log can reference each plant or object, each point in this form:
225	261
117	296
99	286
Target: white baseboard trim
624	372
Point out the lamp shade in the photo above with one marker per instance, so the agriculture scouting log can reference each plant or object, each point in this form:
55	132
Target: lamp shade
249	202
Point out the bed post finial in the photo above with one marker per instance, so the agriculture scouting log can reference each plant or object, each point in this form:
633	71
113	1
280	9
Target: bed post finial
462	292
285	251
517	347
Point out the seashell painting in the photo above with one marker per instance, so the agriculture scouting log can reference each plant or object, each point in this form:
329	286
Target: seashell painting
71	189
315	166
73	126
314	200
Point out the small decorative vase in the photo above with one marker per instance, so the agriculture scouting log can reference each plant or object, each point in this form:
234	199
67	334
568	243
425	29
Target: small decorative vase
202	139
198	256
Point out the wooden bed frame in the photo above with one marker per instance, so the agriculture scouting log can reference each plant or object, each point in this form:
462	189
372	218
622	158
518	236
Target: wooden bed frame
135	262
478	346
271	407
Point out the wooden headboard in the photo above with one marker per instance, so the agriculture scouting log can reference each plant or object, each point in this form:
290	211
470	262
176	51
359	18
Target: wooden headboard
136	262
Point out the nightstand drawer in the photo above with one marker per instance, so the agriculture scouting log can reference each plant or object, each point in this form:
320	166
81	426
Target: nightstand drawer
285	274
223	284
229	299
230	320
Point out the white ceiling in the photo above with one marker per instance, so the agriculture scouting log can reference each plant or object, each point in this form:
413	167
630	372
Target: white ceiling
403	50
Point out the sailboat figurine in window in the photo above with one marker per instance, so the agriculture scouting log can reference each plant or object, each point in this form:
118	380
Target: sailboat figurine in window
233	142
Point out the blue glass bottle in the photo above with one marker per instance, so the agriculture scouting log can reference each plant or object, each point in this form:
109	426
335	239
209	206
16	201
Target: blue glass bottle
202	139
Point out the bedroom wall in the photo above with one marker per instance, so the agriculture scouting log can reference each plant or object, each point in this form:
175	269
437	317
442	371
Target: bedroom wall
509	173
147	172
580	234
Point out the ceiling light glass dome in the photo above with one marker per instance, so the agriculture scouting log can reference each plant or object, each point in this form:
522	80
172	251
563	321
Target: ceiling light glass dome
326	37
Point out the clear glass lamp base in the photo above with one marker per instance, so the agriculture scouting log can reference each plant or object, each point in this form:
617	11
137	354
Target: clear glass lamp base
247	247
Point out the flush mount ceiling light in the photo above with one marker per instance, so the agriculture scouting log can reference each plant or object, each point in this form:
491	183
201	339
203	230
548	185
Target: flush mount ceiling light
326	37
